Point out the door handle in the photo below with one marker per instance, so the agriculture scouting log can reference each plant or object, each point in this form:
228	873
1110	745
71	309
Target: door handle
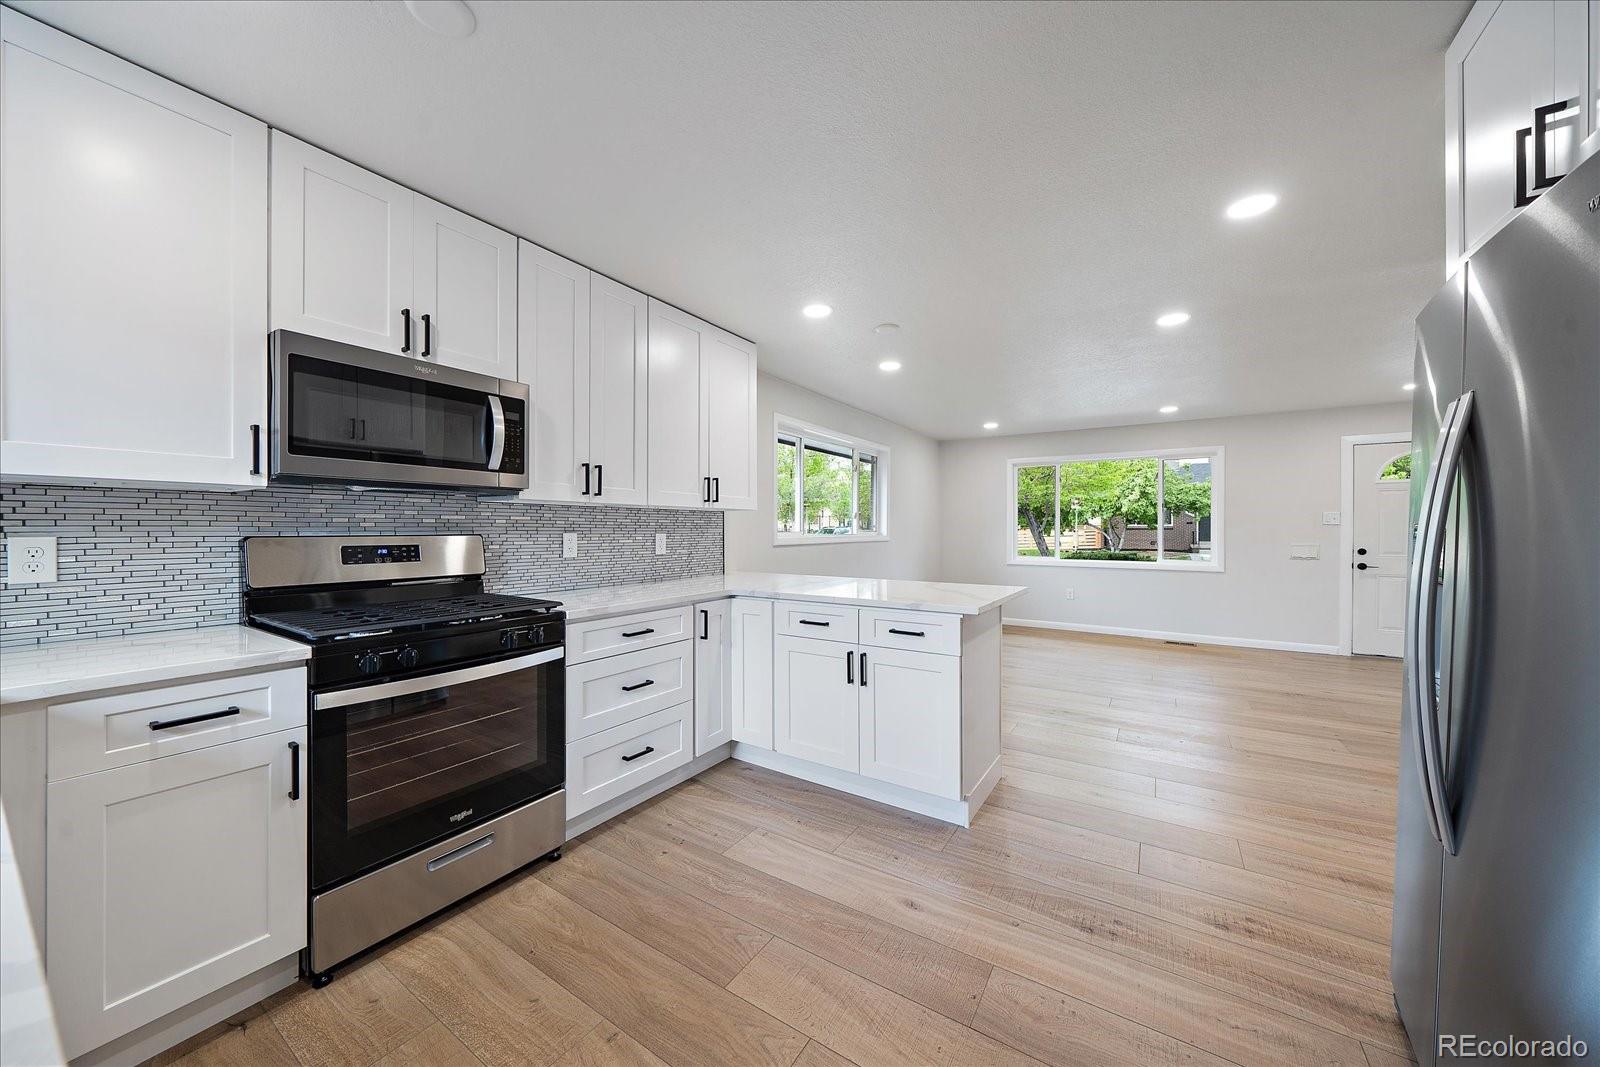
716	490
405	319
1365	567
705	497
497	433
599	479
189	720
586	479
863	670
705	625
1541	126
461	853
255	449
850	668
427	336
294	770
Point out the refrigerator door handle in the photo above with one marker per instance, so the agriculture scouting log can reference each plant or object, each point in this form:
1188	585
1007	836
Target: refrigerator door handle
1425	561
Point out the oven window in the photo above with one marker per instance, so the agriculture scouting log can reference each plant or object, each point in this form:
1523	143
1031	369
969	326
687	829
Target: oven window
347	412
391	775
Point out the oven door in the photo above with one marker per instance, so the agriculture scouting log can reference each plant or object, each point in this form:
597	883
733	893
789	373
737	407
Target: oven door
398	765
349	414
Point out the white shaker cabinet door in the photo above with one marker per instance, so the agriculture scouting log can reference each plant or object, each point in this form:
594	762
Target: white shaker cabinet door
713	677
466	291
728	419
169	879
750	654
911	720
675	475
133	271
815	707
342	243
619	369
553	362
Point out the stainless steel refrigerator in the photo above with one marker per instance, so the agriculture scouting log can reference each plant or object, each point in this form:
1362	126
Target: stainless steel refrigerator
1497	865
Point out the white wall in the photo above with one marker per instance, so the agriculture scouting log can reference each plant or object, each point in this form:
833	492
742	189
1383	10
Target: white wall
1281	472
912	549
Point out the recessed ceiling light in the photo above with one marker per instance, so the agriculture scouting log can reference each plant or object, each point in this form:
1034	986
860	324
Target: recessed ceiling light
1173	318
1169	409
816	311
1249	207
889	365
1409	386
886	327
991	426
449	18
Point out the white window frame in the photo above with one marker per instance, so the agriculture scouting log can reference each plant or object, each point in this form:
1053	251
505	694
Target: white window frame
784	426
1215	453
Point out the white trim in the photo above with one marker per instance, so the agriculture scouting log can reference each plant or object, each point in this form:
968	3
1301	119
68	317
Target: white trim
1216	455
958	812
1166	635
1347	546
806	431
617	805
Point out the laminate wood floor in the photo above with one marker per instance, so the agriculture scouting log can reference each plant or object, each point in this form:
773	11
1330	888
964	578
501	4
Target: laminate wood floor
1188	861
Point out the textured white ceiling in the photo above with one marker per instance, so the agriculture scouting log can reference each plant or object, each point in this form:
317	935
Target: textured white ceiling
1023	187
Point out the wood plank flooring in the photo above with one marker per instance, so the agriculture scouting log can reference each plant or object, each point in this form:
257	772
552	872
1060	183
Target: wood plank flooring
1188	861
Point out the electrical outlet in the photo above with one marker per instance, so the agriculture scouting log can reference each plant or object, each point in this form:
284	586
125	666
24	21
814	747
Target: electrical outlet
1330	518
569	546
30	560
1069	593
661	544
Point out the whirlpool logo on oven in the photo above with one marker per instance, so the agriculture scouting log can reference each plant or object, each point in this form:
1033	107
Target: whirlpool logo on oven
458	816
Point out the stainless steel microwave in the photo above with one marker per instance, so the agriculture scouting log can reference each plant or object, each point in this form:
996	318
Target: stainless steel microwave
349	415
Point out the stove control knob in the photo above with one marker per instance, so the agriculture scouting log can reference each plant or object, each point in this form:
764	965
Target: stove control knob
508	639
408	657
369	663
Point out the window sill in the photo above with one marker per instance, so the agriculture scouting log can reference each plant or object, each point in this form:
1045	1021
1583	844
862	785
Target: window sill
826	539
1117	564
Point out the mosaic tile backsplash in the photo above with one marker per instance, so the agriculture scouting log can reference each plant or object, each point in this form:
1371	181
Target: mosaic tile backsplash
146	560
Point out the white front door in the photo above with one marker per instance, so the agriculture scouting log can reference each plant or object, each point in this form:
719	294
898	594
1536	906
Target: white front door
1382	507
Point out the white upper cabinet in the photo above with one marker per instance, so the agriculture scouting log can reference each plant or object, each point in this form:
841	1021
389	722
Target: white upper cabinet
341	251
553	362
466	290
360	259
133	221
619	375
702	413
1517	67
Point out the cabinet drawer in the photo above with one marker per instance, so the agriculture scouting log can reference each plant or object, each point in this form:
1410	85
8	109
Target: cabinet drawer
610	763
114	731
609	692
822	621
607	637
919	631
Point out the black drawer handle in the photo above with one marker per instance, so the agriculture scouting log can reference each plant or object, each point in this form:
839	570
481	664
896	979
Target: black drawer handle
907	633
705	625
405	319
642	752
849	668
294	770
638	685
639	633
427	336
157	724
255	448
586	479
814	622
863	670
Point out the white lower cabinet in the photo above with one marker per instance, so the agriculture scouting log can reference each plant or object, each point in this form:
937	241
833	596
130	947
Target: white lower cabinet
815	701
750	671
911	719
170	878
713	676
606	765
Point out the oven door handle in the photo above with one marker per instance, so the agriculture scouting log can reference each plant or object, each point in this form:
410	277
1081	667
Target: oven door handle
497	435
409	686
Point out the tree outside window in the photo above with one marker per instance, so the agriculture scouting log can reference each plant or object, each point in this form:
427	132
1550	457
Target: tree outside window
828	486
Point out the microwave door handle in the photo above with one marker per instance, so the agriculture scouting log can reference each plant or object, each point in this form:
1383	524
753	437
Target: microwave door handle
497	433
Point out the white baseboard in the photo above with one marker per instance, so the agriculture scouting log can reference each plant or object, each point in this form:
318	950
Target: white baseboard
1167	635
941	808
617	805
985	786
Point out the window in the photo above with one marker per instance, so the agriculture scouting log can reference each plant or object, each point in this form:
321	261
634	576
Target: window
1397	469
1150	509
829	486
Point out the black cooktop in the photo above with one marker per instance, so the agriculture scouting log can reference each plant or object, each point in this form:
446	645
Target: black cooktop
334	623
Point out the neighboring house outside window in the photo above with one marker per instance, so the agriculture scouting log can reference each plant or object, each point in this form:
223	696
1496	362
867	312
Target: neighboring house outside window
1143	509
829	486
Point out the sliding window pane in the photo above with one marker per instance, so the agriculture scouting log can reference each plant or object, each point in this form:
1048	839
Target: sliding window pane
825	495
1036	508
866	493
1186	510
784	479
1108	510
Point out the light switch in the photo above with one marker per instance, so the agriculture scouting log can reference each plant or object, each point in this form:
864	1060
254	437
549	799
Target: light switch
1330	518
1305	551
569	546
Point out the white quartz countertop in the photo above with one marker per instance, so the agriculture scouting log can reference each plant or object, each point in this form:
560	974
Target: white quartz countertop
42	672
953	598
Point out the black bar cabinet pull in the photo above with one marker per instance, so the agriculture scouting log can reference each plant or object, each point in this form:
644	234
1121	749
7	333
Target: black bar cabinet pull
427	336
639	633
907	633
405	319
638	685
1523	197
586	479
294	770
642	752
158	724
705	497
849	668
255	448
863	670
705	625
599	478
716	490
814	622
1541	124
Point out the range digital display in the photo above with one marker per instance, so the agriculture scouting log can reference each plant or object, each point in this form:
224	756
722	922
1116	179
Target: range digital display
357	554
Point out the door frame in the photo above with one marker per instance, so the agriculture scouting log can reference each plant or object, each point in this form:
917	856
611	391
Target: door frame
1347	536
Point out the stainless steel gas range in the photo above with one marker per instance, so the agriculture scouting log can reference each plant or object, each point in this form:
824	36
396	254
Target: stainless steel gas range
437	726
